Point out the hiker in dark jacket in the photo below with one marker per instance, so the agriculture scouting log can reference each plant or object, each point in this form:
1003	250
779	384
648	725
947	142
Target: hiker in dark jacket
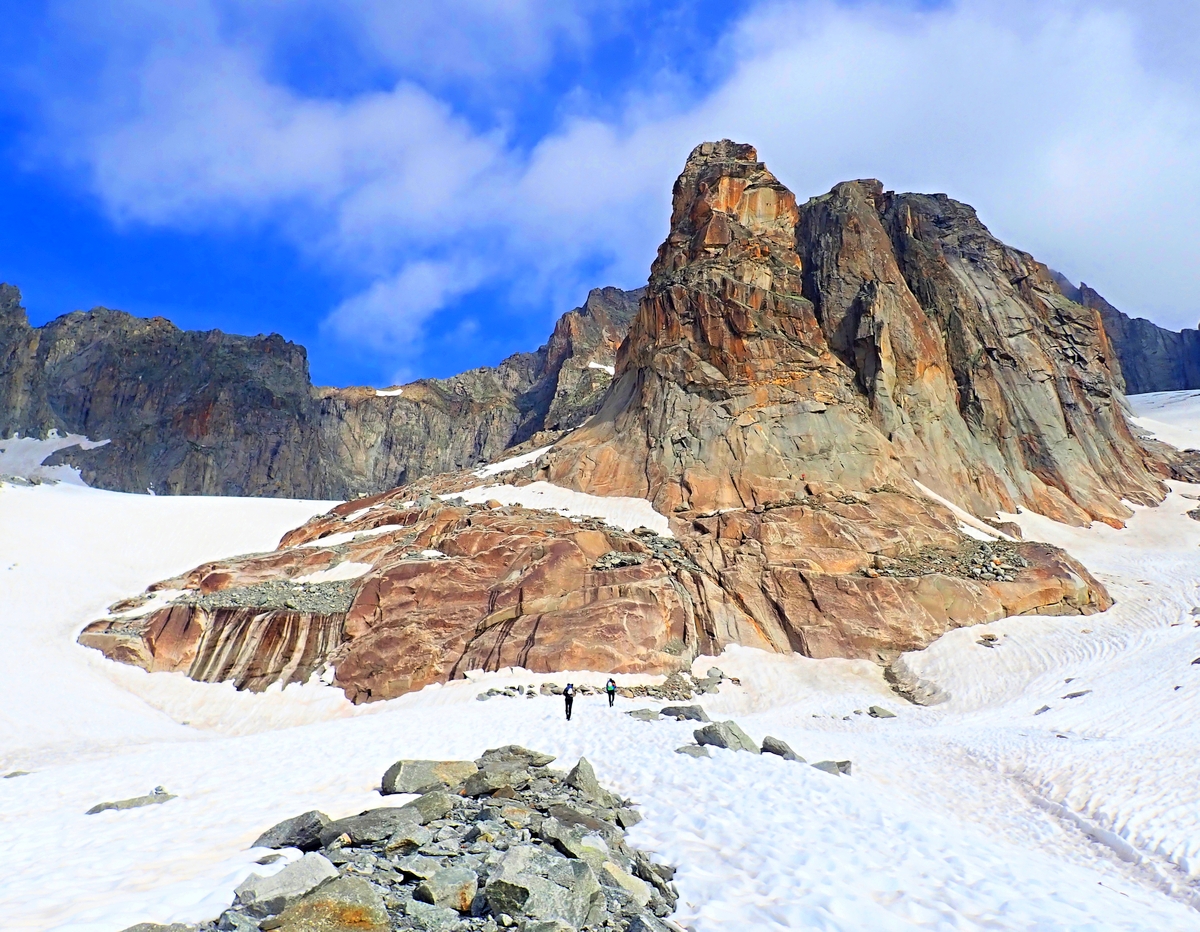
569	698
611	688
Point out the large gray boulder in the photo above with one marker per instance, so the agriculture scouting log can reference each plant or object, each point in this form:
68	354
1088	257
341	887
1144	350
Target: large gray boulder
302	831
267	896
725	735
422	776
533	883
375	825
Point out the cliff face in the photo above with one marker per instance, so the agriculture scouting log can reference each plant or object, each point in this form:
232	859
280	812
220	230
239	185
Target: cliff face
208	413
860	339
799	387
1152	359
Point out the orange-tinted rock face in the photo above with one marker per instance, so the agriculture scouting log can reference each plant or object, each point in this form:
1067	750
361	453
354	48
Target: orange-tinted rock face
791	370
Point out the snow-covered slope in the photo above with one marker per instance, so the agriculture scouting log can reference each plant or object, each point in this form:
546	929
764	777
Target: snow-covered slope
1173	417
975	814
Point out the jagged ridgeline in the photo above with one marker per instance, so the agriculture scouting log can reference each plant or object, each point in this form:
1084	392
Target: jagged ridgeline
802	390
207	413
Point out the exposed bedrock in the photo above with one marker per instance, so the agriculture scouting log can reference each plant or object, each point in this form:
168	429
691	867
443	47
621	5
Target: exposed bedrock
449	588
799	387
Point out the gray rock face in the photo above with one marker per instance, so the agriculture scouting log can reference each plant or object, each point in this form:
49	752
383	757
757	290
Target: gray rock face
302	831
725	735
1151	358
208	413
267	896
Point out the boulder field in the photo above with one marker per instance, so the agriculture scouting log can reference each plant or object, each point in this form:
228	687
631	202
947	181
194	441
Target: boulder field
803	391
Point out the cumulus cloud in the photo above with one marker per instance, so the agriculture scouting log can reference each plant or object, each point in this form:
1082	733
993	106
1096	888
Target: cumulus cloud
1072	127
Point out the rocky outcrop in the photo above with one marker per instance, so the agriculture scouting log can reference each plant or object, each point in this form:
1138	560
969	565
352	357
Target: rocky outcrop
526	846
804	391
209	413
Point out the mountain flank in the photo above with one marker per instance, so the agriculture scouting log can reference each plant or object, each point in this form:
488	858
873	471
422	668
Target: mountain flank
208	413
804	390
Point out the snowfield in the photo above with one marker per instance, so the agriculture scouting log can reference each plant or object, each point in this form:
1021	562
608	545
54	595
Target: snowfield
976	814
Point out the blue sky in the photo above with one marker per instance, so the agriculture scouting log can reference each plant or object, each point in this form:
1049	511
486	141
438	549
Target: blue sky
412	189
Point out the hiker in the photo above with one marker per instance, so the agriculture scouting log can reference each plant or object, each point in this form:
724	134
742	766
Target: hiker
611	688
569	698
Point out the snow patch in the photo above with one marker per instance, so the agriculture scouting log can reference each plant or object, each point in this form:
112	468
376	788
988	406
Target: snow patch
515	462
344	537
24	456
611	370
1172	417
968	523
389	393
618	510
347	570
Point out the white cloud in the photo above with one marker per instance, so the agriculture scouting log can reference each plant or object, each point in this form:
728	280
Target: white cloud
390	313
1074	128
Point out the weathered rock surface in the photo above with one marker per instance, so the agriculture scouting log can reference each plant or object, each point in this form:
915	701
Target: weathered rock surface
209	413
1150	358
800	385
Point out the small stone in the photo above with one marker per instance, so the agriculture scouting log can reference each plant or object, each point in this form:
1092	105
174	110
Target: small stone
725	735
233	920
408	838
693	750
776	746
418	866
878	711
450	888
828	766
429	806
627	818
1076	695
1044	708
644	715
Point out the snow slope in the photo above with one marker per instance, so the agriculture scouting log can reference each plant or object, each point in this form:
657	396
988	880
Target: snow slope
977	814
1173	417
